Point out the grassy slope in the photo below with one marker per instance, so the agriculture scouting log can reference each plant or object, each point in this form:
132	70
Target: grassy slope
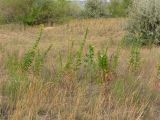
71	98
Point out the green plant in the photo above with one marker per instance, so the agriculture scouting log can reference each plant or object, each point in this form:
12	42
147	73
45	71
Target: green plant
103	63
18	69
89	63
79	54
108	65
135	59
30	55
90	56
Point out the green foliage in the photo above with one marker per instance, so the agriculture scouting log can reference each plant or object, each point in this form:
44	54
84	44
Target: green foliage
90	65
95	9
144	21
118	8
103	63
135	59
131	40
18	69
30	55
108	66
90	56
34	11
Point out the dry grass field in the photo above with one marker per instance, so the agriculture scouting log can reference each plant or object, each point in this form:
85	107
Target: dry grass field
64	89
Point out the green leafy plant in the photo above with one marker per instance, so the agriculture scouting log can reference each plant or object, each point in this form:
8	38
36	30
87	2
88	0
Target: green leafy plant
80	51
90	63
108	65
19	69
90	56
103	63
135	59
30	55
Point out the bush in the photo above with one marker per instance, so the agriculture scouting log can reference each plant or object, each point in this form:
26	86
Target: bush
119	8
144	22
34	11
95	9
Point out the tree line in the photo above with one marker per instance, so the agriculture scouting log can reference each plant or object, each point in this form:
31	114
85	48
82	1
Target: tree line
33	12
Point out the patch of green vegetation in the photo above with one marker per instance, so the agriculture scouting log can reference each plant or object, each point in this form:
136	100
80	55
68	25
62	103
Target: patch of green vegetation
19	69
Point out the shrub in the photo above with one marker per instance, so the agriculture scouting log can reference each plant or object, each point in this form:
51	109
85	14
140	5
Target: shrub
95	9
144	22
34	11
118	8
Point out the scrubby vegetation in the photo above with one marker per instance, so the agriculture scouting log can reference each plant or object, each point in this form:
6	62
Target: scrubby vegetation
119	8
95	9
81	80
79	70
33	12
144	22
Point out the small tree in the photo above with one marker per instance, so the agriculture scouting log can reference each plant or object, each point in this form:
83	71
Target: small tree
95	9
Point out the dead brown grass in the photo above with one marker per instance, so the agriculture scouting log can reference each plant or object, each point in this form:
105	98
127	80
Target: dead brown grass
70	99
